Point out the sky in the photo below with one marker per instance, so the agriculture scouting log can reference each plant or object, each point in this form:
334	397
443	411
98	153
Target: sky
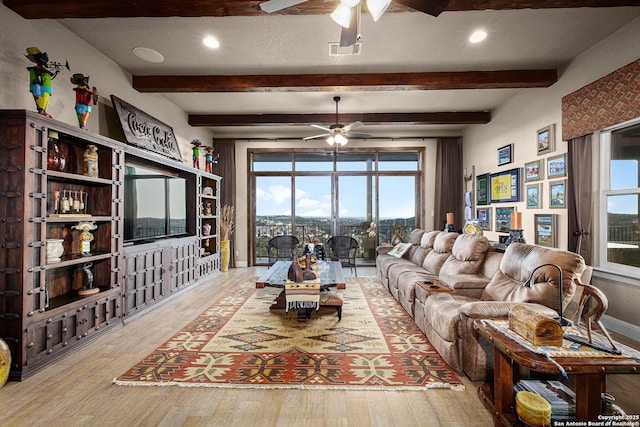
624	174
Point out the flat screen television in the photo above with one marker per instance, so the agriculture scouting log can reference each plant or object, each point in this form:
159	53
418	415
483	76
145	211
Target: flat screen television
155	203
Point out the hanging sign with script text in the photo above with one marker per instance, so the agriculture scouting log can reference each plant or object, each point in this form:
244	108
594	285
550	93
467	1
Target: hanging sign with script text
146	132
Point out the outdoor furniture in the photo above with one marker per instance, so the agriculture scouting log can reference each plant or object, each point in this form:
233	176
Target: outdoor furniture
280	248
343	249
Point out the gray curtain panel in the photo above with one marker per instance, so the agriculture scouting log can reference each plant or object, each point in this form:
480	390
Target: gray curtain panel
580	195
449	196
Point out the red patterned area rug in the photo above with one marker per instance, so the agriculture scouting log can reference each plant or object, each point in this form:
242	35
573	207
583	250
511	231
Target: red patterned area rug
238	342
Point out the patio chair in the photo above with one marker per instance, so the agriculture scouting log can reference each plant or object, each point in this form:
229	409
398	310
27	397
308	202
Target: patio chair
343	249
280	248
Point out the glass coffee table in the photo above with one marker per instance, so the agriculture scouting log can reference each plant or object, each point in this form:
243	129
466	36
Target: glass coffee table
330	275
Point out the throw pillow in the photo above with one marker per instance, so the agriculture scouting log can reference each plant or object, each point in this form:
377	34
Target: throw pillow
400	249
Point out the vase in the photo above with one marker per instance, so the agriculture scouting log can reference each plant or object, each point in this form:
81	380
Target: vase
54	250
56	159
5	362
206	229
90	158
225	255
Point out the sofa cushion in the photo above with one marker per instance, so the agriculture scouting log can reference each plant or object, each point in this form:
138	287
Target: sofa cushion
467	255
441	250
418	256
400	249
428	238
519	261
416	236
443	314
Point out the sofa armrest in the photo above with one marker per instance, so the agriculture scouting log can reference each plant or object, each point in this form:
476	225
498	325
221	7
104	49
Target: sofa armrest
499	309
381	250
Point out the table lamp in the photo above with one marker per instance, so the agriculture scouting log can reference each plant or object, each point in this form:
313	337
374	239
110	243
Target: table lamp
527	284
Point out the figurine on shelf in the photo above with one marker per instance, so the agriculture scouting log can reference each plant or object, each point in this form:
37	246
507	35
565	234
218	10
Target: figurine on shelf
209	160
40	77
88	288
91	161
85	237
84	97
196	153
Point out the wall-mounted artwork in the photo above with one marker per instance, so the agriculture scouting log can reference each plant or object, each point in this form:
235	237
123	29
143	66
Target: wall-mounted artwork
545	139
483	215
557	166
533	196
482	189
557	193
505	186
503	218
545	230
534	171
505	155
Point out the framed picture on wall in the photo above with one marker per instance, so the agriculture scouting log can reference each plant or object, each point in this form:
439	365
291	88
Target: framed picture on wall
545	230
533	196
534	171
505	155
483	215
557	166
545	139
482	189
503	219
505	186
557	193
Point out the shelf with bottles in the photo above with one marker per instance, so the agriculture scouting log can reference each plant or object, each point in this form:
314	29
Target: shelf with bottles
70	157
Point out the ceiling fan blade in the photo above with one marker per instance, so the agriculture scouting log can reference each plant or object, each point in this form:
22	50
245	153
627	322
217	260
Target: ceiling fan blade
349	36
322	127
316	136
276	5
430	7
353	125
357	135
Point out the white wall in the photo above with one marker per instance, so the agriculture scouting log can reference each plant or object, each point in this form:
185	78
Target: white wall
531	109
517	122
17	34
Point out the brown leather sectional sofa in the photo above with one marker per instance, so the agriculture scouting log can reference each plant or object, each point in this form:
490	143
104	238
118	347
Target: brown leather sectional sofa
485	284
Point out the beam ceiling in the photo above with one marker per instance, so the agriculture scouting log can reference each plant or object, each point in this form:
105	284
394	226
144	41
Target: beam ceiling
440	118
506	79
40	9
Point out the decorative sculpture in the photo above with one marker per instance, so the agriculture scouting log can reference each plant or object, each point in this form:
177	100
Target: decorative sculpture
40	77
209	160
88	288
196	153
85	236
295	273
84	97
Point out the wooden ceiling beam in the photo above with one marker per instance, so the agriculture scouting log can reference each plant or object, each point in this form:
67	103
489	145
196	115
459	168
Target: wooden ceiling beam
435	118
40	9
505	79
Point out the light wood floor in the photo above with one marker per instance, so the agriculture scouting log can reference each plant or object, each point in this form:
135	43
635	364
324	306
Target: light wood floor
77	390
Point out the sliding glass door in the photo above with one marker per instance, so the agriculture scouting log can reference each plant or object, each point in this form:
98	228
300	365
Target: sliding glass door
369	196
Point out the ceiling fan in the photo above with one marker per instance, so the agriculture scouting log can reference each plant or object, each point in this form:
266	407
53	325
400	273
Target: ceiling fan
376	7
347	14
338	133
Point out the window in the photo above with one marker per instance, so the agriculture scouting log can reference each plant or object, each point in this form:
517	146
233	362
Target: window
620	203
314	195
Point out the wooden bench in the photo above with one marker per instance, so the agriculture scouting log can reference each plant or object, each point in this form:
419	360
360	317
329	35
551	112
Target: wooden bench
332	299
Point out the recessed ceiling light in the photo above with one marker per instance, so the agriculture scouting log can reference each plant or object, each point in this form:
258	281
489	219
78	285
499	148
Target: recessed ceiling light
478	36
211	42
147	54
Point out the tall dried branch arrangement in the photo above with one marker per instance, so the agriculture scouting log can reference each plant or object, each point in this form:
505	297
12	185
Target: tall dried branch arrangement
226	223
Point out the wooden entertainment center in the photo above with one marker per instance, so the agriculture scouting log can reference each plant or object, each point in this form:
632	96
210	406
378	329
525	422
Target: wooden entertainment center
42	314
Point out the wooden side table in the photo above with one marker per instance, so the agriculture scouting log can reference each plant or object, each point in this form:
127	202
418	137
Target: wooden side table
590	373
433	286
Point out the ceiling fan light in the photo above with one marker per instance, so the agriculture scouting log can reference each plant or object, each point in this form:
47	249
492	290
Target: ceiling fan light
340	139
350	3
377	7
342	15
331	140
